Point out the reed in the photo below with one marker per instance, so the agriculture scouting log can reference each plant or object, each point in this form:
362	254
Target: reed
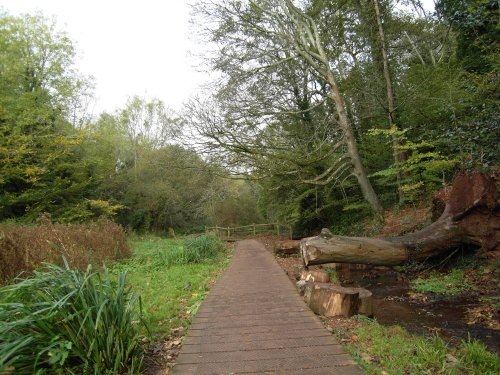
62	320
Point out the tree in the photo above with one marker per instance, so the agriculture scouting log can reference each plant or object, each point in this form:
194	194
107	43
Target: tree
38	86
273	35
476	27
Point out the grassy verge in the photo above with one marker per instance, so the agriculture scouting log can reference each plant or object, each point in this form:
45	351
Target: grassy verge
392	350
452	283
62	320
171	281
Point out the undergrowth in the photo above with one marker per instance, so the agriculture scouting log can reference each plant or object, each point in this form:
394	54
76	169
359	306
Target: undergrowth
24	248
66	321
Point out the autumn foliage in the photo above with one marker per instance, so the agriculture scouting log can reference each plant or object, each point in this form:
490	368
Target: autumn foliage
24	248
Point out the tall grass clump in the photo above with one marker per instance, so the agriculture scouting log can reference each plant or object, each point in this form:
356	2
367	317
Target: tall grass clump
24	248
193	250
66	321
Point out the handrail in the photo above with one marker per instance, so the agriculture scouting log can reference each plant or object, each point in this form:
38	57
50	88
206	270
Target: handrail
236	233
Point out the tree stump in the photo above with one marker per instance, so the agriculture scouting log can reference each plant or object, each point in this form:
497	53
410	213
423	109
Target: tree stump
287	248
331	300
317	294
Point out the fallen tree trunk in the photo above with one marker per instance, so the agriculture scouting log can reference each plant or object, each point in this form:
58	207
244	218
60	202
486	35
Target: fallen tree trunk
471	216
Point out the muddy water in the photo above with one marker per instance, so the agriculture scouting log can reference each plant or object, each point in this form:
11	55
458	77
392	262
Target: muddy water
445	316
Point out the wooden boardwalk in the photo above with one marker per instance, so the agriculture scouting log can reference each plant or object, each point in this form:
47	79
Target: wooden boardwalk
254	322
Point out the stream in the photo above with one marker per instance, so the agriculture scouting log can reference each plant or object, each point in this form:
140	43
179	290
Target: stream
446	316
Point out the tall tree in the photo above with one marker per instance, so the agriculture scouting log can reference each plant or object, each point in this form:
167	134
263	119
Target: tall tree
38	85
266	33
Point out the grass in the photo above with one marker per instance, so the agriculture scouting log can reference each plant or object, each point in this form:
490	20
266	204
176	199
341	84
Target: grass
65	321
332	272
172	287
62	320
380	350
196	249
452	283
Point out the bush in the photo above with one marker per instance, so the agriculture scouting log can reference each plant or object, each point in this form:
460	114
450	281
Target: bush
66	321
194	250
24	248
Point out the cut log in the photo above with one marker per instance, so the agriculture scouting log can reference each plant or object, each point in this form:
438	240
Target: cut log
287	248
329	299
332	300
318	276
471	216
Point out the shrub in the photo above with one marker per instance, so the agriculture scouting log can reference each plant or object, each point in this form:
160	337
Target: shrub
66	321
23	248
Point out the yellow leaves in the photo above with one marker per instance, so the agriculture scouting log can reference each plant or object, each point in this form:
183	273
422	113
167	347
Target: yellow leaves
102	207
33	170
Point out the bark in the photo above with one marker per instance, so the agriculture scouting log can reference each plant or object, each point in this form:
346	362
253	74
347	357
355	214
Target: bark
471	216
352	146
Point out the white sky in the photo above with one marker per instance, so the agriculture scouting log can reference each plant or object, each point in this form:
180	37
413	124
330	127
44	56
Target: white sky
130	47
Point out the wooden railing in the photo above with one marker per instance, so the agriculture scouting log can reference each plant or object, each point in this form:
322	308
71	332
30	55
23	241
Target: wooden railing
239	233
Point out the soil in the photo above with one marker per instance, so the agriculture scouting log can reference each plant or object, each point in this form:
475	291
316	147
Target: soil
406	220
160	357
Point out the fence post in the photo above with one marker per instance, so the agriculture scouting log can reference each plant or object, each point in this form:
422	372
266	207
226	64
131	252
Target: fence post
254	229
228	232
278	229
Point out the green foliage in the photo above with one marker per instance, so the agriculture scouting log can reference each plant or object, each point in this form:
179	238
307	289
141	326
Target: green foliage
39	168
66	321
476	26
423	169
452	283
394	350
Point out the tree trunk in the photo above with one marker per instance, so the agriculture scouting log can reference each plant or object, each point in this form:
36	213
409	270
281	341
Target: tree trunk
399	155
471	216
352	147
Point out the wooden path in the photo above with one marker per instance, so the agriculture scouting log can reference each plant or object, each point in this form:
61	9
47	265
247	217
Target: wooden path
253	321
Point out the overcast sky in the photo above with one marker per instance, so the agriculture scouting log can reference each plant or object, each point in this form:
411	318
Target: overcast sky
130	47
